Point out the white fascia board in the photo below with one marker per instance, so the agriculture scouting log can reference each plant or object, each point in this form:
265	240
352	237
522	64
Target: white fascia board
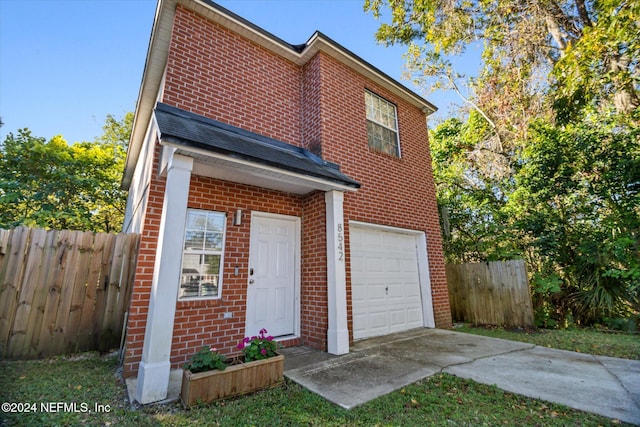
152	75
268	171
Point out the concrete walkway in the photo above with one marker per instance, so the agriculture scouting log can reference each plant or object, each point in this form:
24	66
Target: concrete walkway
602	385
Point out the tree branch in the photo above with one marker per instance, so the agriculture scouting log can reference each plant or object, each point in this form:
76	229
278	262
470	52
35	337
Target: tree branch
583	13
478	109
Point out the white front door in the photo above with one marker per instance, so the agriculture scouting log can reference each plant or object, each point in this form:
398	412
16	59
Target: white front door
272	297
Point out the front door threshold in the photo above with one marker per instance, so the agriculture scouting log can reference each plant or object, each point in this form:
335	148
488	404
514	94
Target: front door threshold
286	337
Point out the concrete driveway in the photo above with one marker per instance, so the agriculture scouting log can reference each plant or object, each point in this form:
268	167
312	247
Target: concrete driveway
602	385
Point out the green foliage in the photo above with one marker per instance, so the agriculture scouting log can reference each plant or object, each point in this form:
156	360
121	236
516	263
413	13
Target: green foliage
582	340
571	208
51	184
440	400
206	359
578	204
540	167
258	347
602	67
469	199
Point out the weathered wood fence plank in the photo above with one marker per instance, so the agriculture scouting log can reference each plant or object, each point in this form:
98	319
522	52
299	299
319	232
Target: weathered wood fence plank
490	293
10	281
63	291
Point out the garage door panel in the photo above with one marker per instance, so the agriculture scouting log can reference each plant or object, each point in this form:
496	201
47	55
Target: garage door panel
358	293
385	282
374	264
378	319
412	291
357	263
397	317
409	265
414	316
396	291
371	240
392	265
376	292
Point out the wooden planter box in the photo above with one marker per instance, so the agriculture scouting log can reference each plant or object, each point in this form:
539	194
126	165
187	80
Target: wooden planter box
204	387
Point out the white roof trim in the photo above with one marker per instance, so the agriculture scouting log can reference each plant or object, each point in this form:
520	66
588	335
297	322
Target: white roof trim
229	168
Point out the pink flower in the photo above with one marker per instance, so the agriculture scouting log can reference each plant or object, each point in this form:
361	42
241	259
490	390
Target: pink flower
263	351
214	349
241	346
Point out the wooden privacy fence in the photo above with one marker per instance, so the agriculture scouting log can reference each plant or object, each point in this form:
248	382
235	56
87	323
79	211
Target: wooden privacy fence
490	293
63	291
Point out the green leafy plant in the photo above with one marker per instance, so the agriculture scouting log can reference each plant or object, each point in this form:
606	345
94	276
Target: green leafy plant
258	347
206	359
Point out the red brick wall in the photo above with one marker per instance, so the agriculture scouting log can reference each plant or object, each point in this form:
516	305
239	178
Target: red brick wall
320	106
395	191
213	72
312	107
314	322
139	305
199	323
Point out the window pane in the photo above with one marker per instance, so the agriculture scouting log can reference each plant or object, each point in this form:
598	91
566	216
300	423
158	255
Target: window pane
197	220
382	139
369	105
389	142
202	257
215	222
193	240
213	241
200	274
381	124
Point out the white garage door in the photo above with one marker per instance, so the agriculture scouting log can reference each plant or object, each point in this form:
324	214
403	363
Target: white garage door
385	282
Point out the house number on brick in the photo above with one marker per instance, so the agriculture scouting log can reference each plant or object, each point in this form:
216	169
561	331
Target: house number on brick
340	243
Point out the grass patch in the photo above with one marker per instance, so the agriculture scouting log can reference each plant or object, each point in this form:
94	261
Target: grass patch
625	346
439	400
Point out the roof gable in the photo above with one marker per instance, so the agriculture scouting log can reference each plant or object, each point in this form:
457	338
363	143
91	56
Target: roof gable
299	54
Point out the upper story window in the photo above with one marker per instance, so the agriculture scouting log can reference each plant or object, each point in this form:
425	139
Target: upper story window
202	255
382	124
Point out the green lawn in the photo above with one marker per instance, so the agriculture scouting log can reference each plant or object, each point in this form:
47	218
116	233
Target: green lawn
440	400
626	346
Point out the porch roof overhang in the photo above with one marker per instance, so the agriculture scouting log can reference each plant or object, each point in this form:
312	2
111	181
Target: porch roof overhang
233	154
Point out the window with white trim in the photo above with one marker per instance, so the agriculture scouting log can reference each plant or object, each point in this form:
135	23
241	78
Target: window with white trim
202	255
382	124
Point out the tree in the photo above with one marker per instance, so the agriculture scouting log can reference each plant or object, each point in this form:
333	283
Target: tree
55	185
582	230
602	66
117	132
540	166
590	46
470	202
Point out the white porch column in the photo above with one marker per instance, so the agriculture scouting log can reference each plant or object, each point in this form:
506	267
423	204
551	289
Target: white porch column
338	332
153	373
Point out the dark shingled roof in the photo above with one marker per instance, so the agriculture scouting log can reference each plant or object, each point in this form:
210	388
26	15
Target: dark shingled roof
191	130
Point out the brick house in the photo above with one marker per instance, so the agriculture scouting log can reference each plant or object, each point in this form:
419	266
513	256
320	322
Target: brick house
278	186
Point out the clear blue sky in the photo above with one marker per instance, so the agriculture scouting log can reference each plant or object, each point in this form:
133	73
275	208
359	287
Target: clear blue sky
66	64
